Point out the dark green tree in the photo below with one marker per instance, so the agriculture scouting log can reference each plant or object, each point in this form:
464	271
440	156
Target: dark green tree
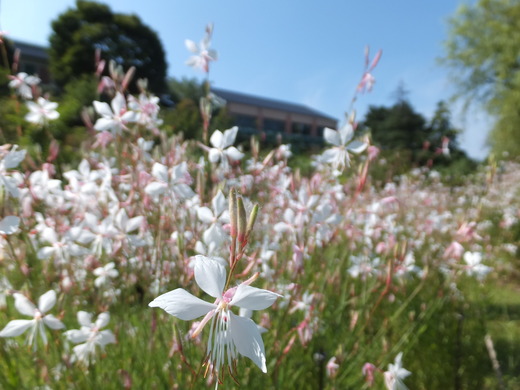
482	52
80	31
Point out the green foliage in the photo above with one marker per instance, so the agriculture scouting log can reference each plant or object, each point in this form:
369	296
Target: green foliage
482	51
78	32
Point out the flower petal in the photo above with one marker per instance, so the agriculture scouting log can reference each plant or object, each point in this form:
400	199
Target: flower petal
102	320
52	322
47	301
181	304
16	328
23	305
210	275
216	139
84	319
357	146
9	224
253	298
331	136
247	339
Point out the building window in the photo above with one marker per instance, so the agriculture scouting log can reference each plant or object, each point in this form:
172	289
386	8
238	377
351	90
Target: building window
273	125
301	128
246	121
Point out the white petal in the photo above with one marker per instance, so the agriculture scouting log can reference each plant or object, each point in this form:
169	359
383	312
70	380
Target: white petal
234	154
16	328
134	224
160	172
23	305
103	109
214	155
247	339
77	336
253	298
155	189
357	146
210	275
45	252
47	301
84	318
118	103
13	158
331	136
104	124
106	337
52	322
9	224
102	320
346	132
216	139
229	137
219	203
205	214
181	304
192	46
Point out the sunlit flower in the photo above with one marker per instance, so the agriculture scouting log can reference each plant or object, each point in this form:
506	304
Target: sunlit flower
474	266
338	155
105	274
26	307
203	55
42	111
222	146
23	84
114	117
230	334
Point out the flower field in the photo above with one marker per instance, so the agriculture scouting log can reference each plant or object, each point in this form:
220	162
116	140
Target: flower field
157	262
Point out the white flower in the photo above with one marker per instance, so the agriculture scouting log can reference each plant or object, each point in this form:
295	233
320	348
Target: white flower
341	139
395	374
26	307
222	148
115	119
230	334
474	265
203	54
104	274
42	111
9	224
90	335
23	84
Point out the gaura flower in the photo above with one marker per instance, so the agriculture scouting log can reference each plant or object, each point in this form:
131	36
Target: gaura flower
395	374
230	334
42	111
341	139
26	307
203	55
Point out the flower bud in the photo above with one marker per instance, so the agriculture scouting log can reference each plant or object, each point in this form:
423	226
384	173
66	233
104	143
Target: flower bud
242	221
233	212
252	219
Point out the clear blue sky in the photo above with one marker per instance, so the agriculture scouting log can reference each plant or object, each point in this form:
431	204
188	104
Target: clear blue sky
303	51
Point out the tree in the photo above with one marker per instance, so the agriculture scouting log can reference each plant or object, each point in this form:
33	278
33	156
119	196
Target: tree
80	31
482	52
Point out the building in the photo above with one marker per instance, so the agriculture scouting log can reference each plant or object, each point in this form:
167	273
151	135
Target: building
273	119
34	60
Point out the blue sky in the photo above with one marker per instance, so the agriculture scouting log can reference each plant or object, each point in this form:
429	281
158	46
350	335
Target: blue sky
301	51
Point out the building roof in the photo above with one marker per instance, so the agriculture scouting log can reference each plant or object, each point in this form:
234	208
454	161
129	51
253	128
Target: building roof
258	101
31	50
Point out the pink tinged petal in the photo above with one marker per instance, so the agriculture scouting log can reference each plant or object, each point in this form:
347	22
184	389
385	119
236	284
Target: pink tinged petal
216	139
205	215
52	322
47	301
77	336
247	340
102	320
103	109
210	275
9	224
84	318
23	305
16	328
357	146
181	304
331	136
234	154
229	137
253	298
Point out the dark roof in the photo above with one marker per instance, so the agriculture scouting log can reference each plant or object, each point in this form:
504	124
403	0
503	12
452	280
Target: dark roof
31	50
258	101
